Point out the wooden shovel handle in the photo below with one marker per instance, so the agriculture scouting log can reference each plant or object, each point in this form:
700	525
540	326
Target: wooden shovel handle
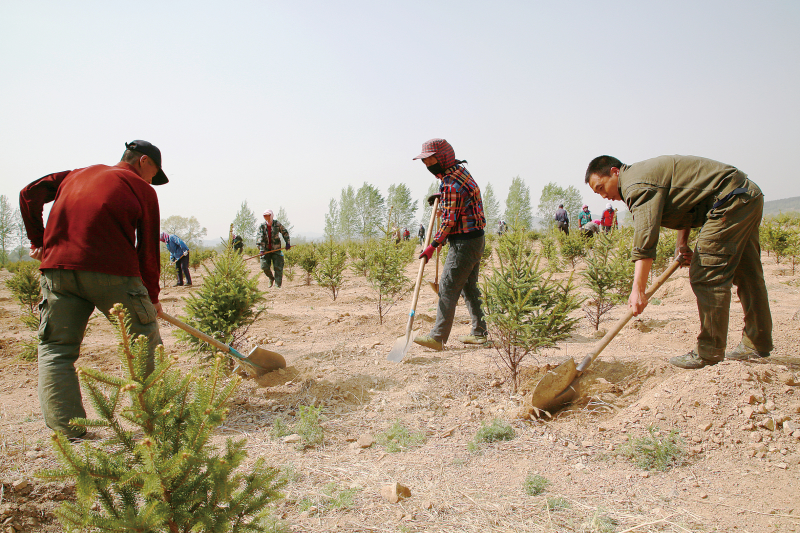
196	332
589	359
421	269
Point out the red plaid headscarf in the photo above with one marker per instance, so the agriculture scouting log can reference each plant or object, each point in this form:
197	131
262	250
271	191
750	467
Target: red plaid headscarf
442	150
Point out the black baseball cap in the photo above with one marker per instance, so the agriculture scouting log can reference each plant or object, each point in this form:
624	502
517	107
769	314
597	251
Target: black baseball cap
151	151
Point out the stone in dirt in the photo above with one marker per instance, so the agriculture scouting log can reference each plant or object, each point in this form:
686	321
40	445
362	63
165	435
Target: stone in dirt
365	441
395	492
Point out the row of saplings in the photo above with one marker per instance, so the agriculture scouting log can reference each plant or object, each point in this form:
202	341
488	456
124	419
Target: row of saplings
158	472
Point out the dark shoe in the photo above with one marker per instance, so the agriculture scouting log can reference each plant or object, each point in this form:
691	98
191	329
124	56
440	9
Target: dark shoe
473	339
271	282
429	342
188	284
691	361
178	285
745	353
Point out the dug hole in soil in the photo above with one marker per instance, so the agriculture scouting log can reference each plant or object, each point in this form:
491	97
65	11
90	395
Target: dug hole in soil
739	422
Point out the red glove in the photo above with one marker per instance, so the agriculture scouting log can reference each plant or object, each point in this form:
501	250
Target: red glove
427	253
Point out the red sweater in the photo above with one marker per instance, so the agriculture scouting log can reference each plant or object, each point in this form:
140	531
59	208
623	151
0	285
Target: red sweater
104	219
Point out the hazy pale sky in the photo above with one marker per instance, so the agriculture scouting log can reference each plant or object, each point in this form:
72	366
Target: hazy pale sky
285	103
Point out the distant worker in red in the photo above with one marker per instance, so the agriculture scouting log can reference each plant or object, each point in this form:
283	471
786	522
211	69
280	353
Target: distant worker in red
100	248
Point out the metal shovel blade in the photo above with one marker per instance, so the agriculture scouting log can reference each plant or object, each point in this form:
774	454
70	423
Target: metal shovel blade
265	360
434	286
401	347
553	384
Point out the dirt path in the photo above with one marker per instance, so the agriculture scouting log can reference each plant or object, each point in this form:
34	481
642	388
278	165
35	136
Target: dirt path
740	422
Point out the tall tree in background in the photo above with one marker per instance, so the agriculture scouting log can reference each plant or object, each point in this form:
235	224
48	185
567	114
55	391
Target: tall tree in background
6	228
552	195
518	205
332	221
188	229
401	206
370	207
283	218
20	235
491	208
245	224
347	222
433	188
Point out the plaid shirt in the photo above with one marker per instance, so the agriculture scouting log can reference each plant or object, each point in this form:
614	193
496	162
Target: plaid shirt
271	242
461	205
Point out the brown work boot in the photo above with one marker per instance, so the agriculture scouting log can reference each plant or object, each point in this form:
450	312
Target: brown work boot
473	339
691	361
745	353
429	342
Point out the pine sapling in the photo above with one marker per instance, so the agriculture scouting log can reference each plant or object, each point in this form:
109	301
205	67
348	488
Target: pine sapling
158	471
387	274
227	303
359	257
602	275
525	311
330	266
307	259
573	247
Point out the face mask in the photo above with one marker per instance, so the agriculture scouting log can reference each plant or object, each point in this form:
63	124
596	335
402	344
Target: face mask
436	169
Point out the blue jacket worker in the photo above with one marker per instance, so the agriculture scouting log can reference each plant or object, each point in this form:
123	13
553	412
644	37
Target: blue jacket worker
179	255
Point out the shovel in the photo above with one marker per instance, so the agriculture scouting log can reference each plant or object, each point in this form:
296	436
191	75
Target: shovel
403	344
262	253
559	386
259	361
435	283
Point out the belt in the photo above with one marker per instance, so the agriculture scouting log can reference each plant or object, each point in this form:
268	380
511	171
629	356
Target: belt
734	192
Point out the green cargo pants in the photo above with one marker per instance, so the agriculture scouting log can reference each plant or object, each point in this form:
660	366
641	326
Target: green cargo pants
728	252
276	260
69	298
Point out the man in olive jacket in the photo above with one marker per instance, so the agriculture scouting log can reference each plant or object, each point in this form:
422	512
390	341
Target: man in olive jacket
685	192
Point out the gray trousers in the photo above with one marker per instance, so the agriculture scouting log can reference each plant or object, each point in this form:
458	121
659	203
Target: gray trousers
69	298
460	274
728	253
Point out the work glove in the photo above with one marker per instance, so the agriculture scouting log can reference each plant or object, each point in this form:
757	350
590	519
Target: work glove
433	198
684	255
287	246
427	253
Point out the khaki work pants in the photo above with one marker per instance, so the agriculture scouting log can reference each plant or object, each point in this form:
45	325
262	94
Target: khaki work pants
728	253
69	298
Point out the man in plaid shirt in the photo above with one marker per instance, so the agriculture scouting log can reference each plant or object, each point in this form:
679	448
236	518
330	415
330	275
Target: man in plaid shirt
462	226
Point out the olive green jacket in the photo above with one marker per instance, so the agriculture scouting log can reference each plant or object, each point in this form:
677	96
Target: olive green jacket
673	191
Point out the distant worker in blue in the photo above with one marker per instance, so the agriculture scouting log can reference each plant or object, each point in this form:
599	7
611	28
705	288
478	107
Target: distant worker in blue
179	255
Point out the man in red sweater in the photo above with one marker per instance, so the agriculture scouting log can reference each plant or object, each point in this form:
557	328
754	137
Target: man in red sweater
100	247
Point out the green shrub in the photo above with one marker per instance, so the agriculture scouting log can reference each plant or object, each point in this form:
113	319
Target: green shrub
496	431
359	257
606	270
535	484
398	438
25	285
655	451
168	274
330	266
226	305
557	503
332	497
158	471
308	426
387	274
573	247
306	259
525	310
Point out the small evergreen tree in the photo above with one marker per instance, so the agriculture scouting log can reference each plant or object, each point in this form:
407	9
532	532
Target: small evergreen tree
387	274
548	248
573	247
307	259
227	303
167	273
605	267
359	257
158	472
330	266
290	259
665	251
525	311
26	289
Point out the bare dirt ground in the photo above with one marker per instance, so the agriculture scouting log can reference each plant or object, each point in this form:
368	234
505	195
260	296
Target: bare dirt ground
740	422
